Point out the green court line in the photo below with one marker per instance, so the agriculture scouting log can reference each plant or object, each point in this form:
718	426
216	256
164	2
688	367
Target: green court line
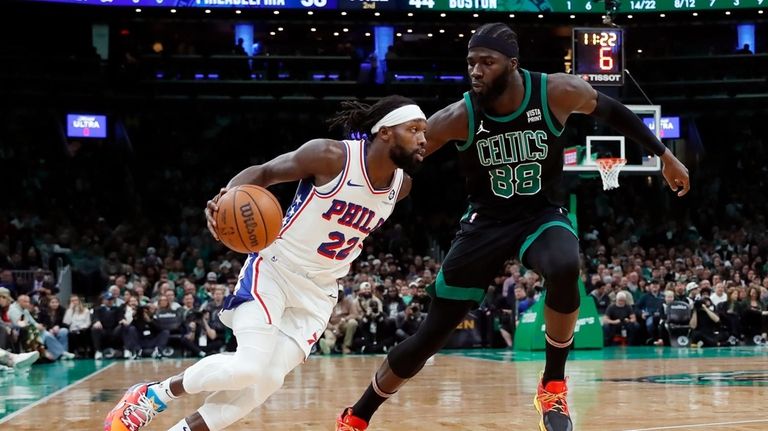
21	389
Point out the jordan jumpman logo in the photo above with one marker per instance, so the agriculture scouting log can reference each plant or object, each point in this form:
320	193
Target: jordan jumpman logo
481	129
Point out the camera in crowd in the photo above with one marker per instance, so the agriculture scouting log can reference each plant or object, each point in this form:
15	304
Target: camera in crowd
699	303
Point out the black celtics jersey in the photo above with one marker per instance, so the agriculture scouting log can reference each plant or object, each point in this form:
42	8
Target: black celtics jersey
514	163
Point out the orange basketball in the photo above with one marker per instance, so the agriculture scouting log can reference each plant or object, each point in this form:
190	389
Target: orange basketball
249	218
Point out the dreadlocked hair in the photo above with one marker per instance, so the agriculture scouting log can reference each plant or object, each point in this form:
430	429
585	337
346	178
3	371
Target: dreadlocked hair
356	118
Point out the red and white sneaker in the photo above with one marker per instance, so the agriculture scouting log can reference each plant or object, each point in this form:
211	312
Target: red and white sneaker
349	422
134	411
551	403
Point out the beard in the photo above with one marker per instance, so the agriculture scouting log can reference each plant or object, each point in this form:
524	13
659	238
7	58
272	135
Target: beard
405	160
494	91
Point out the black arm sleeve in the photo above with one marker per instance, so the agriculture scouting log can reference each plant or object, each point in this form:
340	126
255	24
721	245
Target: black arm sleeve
626	122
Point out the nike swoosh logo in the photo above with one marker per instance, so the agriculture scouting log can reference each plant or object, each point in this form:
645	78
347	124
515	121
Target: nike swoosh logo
351	184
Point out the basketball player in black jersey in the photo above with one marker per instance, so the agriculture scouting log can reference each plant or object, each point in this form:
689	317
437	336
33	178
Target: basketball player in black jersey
513	161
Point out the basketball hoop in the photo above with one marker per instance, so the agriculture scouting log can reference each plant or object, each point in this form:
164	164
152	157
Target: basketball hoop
609	171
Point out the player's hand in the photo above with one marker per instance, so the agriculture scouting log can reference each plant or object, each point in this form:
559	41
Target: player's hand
675	173
210	210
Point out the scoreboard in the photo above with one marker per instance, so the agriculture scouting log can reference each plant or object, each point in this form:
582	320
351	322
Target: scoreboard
598	55
506	5
563	6
688	5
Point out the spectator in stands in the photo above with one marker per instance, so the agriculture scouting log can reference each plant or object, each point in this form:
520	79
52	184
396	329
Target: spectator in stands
366	299
680	294
376	330
500	315
111	266
127	315
239	49
187	287
38	279
745	49
619	322
205	292
151	259
78	319
650	308
7	334
138	292
755	317
422	297
198	272
523	302
408	321
44	294
601	296
730	312
692	292
704	324
170	295
20	313
106	329
393	303
343	323
7	281
719	296
143	332
208	330
661	329
199	337
161	286
52	318
217	301
634	286
166	317
116	295
188	305
406	292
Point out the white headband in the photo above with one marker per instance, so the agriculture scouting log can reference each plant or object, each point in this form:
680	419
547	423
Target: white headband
399	116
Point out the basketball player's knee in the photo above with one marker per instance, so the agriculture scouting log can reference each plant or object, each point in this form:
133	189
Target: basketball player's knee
271	380
562	272
562	283
251	374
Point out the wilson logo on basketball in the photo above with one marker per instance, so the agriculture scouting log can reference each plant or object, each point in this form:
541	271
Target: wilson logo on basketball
246	212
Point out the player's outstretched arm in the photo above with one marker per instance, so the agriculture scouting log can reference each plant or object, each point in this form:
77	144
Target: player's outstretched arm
445	125
322	158
318	157
569	94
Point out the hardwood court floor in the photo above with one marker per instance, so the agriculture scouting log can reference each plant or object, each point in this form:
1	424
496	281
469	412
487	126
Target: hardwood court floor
611	390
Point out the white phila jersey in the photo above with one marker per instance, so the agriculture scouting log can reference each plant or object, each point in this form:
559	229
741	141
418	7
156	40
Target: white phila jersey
324	228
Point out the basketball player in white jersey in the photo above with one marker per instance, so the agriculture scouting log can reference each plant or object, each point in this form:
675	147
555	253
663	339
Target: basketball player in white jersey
286	293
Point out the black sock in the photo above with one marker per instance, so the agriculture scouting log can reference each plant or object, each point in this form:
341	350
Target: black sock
367	405
555	367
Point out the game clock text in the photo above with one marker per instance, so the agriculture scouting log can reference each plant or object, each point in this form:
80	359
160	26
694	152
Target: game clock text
598	55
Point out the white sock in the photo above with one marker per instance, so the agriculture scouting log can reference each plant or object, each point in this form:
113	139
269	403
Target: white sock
162	391
182	425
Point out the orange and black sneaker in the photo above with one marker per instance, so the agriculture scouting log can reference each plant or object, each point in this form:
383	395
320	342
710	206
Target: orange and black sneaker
135	410
551	403
349	422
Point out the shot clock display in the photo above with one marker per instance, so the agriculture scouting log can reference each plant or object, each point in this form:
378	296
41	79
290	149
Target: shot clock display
598	55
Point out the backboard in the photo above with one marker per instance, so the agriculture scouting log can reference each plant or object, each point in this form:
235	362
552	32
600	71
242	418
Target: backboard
605	142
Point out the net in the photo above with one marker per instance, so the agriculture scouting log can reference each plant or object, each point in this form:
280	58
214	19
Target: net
609	171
